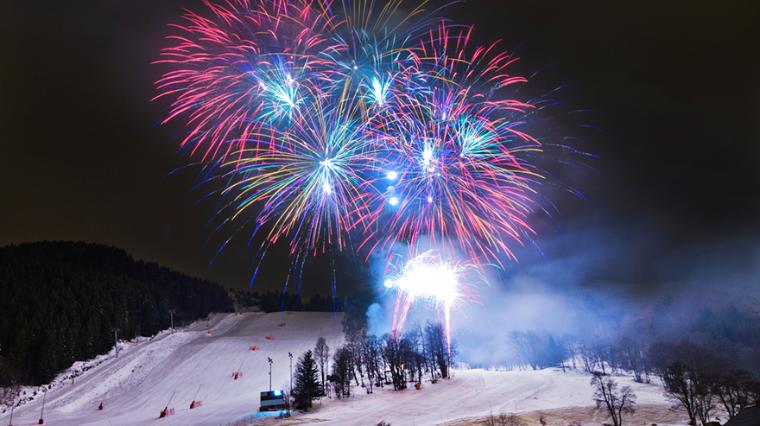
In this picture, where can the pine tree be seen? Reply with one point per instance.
(307, 381)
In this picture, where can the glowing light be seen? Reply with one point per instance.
(379, 91)
(428, 276)
(427, 155)
(312, 148)
(469, 179)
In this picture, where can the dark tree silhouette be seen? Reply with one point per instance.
(61, 300)
(307, 386)
(322, 355)
(616, 401)
(341, 373)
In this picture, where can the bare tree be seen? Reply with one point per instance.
(631, 354)
(9, 394)
(341, 373)
(436, 344)
(706, 402)
(394, 351)
(322, 354)
(505, 420)
(616, 401)
(678, 379)
(734, 390)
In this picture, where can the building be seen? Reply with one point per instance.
(273, 400)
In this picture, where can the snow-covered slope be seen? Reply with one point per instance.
(475, 394)
(175, 368)
(135, 387)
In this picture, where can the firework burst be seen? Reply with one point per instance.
(307, 183)
(240, 67)
(454, 150)
(332, 121)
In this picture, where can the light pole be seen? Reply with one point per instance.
(116, 340)
(171, 317)
(42, 412)
(269, 360)
(290, 355)
(10, 421)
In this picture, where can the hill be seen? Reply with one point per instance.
(61, 301)
(173, 369)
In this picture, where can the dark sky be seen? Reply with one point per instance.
(673, 90)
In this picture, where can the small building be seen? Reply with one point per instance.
(273, 400)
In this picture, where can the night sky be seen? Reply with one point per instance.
(671, 92)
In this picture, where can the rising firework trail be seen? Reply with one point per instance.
(428, 278)
(335, 126)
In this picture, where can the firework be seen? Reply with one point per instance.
(307, 183)
(453, 154)
(431, 278)
(242, 66)
(329, 121)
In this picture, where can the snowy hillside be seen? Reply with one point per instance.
(135, 387)
(472, 395)
(175, 368)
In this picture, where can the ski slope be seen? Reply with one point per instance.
(137, 385)
(175, 368)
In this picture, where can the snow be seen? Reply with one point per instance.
(170, 368)
(473, 394)
(138, 384)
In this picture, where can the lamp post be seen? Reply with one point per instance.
(171, 317)
(269, 360)
(42, 412)
(116, 340)
(10, 421)
(290, 355)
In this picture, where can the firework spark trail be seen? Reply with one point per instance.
(305, 181)
(430, 277)
(455, 152)
(326, 122)
(236, 68)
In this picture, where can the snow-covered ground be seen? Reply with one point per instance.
(137, 385)
(175, 368)
(476, 394)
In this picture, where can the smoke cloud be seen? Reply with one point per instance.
(591, 286)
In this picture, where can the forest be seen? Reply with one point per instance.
(62, 301)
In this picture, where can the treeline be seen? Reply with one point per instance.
(368, 361)
(60, 302)
(697, 378)
(730, 329)
(277, 301)
(702, 381)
